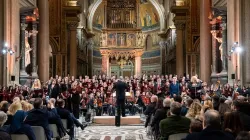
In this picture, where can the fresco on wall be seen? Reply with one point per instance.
(112, 39)
(149, 17)
(98, 19)
(131, 40)
(121, 39)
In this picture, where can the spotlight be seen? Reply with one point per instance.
(235, 43)
(238, 49)
(4, 51)
(11, 52)
(6, 45)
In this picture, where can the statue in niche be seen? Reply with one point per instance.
(219, 39)
(27, 49)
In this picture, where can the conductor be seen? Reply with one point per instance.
(120, 86)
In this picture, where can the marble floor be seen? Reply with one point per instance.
(94, 132)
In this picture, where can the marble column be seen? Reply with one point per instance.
(163, 45)
(73, 47)
(22, 40)
(244, 41)
(138, 65)
(105, 64)
(205, 41)
(90, 58)
(214, 51)
(105, 14)
(180, 25)
(224, 44)
(43, 40)
(1, 40)
(34, 49)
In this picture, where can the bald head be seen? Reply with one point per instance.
(154, 99)
(166, 102)
(212, 119)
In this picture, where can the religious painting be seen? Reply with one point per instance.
(98, 19)
(131, 40)
(149, 17)
(121, 39)
(112, 39)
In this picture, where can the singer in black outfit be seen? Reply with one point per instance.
(120, 88)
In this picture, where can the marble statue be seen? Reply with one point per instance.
(214, 34)
(27, 49)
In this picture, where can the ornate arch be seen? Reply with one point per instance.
(197, 45)
(53, 44)
(153, 2)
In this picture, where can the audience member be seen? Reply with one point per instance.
(160, 114)
(175, 123)
(195, 126)
(232, 123)
(245, 119)
(194, 110)
(40, 116)
(3, 134)
(151, 108)
(211, 128)
(243, 136)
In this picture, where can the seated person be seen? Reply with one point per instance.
(65, 114)
(3, 134)
(40, 116)
(17, 126)
(151, 108)
(211, 128)
(195, 126)
(175, 123)
(160, 114)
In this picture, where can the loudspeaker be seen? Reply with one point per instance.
(117, 121)
(12, 78)
(233, 76)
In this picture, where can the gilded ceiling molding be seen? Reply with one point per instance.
(153, 2)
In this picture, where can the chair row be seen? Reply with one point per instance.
(39, 132)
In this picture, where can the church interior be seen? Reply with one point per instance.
(142, 41)
(124, 38)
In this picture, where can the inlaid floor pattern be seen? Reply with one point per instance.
(112, 133)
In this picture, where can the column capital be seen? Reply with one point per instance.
(180, 25)
(138, 54)
(72, 25)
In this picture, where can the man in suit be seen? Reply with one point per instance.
(211, 128)
(71, 120)
(175, 123)
(40, 116)
(120, 86)
(53, 89)
(160, 114)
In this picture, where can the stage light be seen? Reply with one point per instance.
(238, 49)
(11, 52)
(6, 45)
(4, 51)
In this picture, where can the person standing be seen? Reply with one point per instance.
(174, 88)
(120, 87)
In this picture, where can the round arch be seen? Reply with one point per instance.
(53, 44)
(153, 2)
